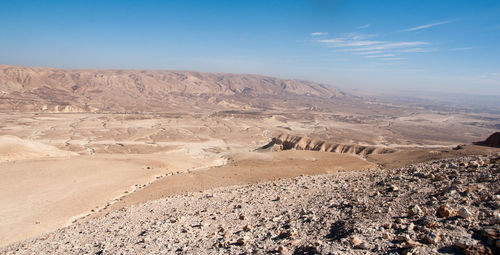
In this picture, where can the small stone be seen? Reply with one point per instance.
(445, 211)
(491, 233)
(496, 218)
(464, 213)
(411, 244)
(282, 249)
(387, 236)
(414, 210)
(428, 222)
(393, 188)
(355, 241)
(288, 234)
(432, 238)
(247, 228)
(410, 227)
(364, 246)
(403, 238)
(387, 225)
(243, 240)
(465, 243)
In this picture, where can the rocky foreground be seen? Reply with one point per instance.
(446, 206)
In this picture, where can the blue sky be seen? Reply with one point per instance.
(373, 45)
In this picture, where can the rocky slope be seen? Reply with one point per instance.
(59, 90)
(447, 206)
(492, 141)
(288, 142)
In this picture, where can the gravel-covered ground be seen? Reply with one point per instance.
(446, 206)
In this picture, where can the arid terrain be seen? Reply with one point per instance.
(88, 150)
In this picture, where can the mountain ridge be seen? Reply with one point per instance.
(115, 90)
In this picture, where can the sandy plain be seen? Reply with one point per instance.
(58, 167)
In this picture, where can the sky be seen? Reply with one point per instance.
(441, 46)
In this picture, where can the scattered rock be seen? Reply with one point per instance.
(282, 249)
(428, 222)
(364, 246)
(496, 218)
(288, 234)
(432, 238)
(342, 208)
(243, 240)
(464, 213)
(414, 210)
(393, 188)
(411, 244)
(355, 241)
(445, 211)
(465, 243)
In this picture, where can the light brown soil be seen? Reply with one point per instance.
(246, 169)
(108, 154)
(439, 207)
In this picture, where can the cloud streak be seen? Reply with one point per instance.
(365, 26)
(381, 56)
(417, 28)
(319, 33)
(357, 44)
(340, 42)
(387, 46)
(463, 48)
(368, 52)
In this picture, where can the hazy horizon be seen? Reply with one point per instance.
(395, 46)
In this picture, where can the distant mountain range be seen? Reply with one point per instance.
(94, 90)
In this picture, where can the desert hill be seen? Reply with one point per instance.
(287, 142)
(492, 141)
(60, 90)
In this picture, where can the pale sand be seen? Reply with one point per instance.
(42, 195)
(14, 148)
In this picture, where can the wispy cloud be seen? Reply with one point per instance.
(319, 33)
(387, 46)
(380, 56)
(368, 52)
(428, 26)
(365, 26)
(359, 44)
(393, 59)
(463, 48)
(334, 41)
(414, 50)
(340, 42)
